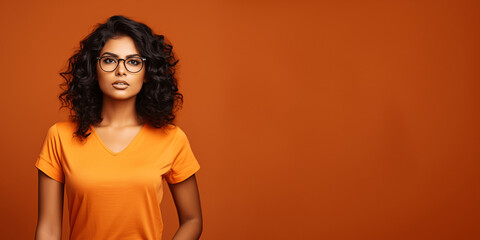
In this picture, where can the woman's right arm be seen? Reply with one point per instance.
(50, 208)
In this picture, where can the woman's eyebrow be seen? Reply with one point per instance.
(115, 55)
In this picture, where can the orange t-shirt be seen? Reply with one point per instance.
(116, 195)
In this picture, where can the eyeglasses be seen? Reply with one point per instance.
(132, 64)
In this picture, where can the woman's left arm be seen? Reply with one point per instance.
(187, 200)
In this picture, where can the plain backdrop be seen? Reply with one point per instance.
(310, 119)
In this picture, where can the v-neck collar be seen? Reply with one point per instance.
(123, 150)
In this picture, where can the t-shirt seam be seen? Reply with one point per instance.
(187, 172)
(174, 144)
(60, 154)
(58, 172)
(177, 154)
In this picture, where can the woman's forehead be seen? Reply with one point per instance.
(120, 46)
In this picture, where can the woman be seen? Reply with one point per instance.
(120, 142)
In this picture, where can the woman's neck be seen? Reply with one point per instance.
(119, 113)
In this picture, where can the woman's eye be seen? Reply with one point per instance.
(134, 62)
(109, 60)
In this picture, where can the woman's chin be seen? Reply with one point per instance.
(119, 96)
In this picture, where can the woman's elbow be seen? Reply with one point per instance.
(42, 233)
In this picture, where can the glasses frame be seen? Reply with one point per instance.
(118, 62)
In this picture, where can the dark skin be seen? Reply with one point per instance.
(119, 126)
(187, 200)
(50, 208)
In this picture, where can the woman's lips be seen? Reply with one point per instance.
(120, 86)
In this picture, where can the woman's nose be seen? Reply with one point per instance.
(121, 67)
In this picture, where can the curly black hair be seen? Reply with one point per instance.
(157, 101)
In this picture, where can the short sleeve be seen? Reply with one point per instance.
(184, 163)
(49, 159)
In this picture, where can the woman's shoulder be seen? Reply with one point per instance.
(60, 130)
(65, 126)
(167, 130)
(63, 129)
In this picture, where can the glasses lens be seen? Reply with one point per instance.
(108, 63)
(134, 64)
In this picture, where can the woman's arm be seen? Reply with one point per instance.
(50, 208)
(187, 200)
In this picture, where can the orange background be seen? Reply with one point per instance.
(311, 120)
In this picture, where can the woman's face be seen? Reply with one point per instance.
(119, 48)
